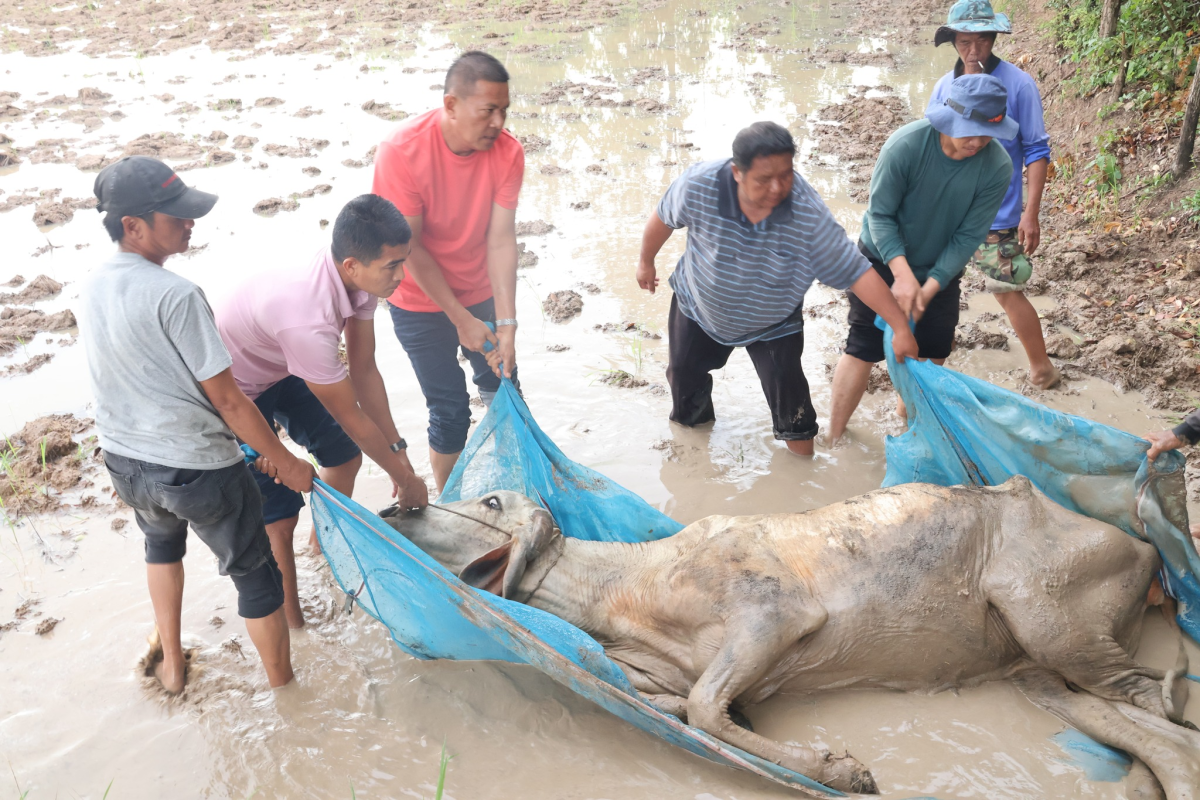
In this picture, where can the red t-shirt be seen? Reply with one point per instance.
(453, 195)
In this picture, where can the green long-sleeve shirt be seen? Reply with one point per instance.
(929, 208)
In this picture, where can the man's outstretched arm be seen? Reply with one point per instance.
(248, 424)
(654, 237)
(341, 401)
(871, 289)
(502, 272)
(424, 269)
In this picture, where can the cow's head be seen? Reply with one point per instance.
(487, 542)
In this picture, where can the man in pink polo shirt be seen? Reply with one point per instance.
(283, 331)
(455, 173)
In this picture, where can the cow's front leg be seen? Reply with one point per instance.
(747, 653)
(671, 704)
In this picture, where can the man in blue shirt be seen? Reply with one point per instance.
(758, 236)
(971, 27)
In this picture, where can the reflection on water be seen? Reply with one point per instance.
(365, 719)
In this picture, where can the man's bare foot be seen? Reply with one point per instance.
(170, 673)
(173, 677)
(1196, 530)
(1045, 377)
(824, 440)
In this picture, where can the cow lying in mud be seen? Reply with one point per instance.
(916, 587)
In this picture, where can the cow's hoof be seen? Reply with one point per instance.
(846, 774)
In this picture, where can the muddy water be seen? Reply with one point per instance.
(363, 719)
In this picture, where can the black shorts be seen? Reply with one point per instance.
(934, 332)
(222, 506)
(694, 354)
(293, 405)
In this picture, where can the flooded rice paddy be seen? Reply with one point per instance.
(363, 719)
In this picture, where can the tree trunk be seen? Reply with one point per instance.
(1108, 20)
(1191, 116)
(1119, 83)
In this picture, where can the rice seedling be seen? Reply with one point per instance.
(445, 762)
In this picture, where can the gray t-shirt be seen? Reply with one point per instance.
(151, 338)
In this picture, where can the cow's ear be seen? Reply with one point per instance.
(487, 571)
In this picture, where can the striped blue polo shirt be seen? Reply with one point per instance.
(745, 283)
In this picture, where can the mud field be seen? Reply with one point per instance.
(277, 107)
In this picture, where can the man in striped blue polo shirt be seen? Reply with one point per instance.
(758, 236)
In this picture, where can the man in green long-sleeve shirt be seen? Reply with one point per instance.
(935, 190)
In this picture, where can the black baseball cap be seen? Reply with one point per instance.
(137, 185)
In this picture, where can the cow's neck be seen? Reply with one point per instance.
(577, 588)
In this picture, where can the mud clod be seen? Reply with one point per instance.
(40, 288)
(536, 228)
(563, 305)
(44, 456)
(22, 324)
(621, 379)
(969, 335)
(525, 258)
(384, 111)
(273, 205)
(163, 145)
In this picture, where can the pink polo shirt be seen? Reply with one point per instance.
(290, 323)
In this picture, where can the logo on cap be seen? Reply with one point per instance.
(174, 177)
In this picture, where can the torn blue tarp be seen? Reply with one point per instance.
(962, 430)
(432, 614)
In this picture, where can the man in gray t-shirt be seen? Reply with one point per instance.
(166, 402)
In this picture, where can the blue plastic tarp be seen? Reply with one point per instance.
(432, 614)
(962, 430)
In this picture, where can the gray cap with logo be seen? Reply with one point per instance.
(138, 185)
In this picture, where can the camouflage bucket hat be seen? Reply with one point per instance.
(971, 16)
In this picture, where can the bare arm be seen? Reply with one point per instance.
(424, 269)
(906, 289)
(1029, 231)
(502, 272)
(248, 424)
(364, 375)
(653, 238)
(341, 402)
(871, 289)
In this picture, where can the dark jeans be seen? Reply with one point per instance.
(934, 332)
(694, 354)
(223, 507)
(293, 405)
(431, 341)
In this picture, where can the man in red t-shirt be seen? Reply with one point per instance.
(455, 174)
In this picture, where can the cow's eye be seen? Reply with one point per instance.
(493, 503)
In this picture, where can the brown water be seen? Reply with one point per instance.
(363, 718)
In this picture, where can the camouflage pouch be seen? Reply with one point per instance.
(1003, 262)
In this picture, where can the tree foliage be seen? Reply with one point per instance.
(1158, 38)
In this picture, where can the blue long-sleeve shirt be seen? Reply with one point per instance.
(1031, 144)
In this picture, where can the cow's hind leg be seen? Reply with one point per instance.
(1171, 751)
(753, 644)
(1075, 611)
